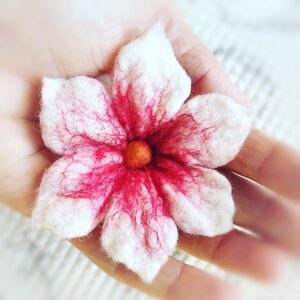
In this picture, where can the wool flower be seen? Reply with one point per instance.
(138, 156)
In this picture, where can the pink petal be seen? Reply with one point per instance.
(209, 131)
(200, 199)
(137, 230)
(75, 190)
(149, 85)
(76, 111)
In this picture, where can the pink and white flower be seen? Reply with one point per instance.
(137, 156)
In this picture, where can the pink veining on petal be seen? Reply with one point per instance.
(76, 189)
(76, 111)
(104, 166)
(139, 199)
(183, 129)
(138, 120)
(138, 230)
(149, 85)
(200, 199)
(181, 177)
(208, 131)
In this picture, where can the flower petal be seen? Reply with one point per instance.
(75, 190)
(200, 199)
(149, 85)
(137, 230)
(77, 110)
(209, 131)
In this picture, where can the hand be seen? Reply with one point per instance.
(64, 38)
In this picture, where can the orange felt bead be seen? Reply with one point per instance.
(137, 154)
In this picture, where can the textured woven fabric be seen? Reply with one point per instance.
(258, 43)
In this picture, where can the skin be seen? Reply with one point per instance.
(64, 38)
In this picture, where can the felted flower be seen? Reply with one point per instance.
(138, 156)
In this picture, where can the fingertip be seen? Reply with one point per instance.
(277, 268)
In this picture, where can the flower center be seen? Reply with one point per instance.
(137, 154)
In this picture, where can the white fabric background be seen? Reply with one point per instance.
(258, 42)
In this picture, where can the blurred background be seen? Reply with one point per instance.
(258, 43)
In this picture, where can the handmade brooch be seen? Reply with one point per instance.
(137, 156)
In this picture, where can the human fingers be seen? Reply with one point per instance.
(175, 281)
(238, 252)
(266, 214)
(19, 98)
(269, 163)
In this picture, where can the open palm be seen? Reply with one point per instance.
(68, 38)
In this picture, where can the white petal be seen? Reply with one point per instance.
(149, 85)
(137, 232)
(74, 191)
(77, 110)
(200, 199)
(209, 131)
